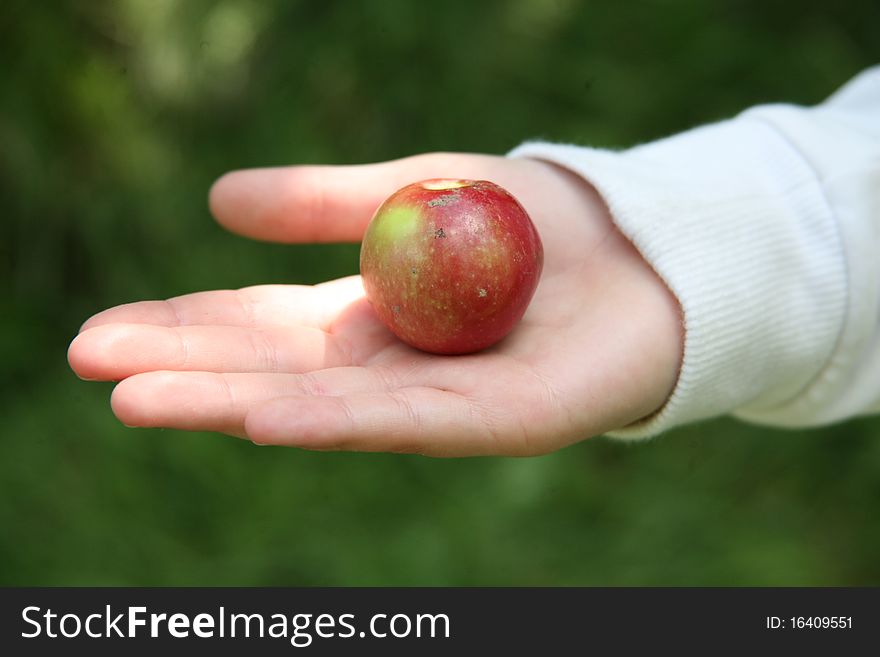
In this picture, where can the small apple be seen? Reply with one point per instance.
(451, 265)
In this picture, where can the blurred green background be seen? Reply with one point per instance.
(116, 116)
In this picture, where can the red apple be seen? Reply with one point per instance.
(451, 265)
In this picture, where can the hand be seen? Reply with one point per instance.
(312, 367)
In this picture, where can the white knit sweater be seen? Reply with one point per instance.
(767, 229)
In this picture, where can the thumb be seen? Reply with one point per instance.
(325, 203)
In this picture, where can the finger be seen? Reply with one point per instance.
(258, 306)
(115, 351)
(419, 420)
(207, 401)
(325, 203)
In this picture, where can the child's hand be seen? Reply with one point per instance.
(598, 348)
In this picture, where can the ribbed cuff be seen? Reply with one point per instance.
(734, 221)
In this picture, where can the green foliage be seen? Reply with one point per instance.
(114, 119)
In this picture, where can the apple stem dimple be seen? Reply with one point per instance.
(443, 183)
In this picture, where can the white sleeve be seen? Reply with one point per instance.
(767, 229)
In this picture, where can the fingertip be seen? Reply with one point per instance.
(153, 399)
(273, 203)
(229, 198)
(125, 404)
(75, 358)
(83, 358)
(110, 352)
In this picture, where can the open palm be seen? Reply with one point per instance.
(311, 366)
